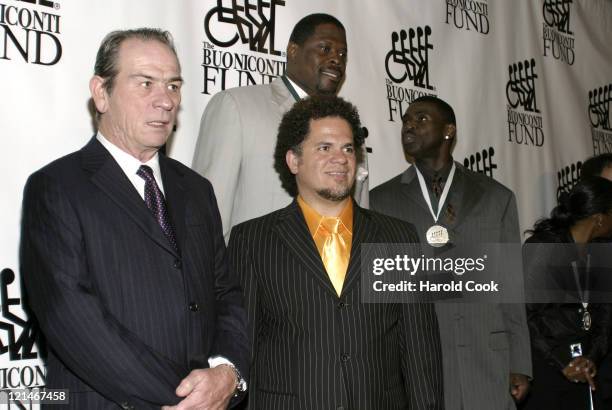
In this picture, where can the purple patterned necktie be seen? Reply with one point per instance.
(156, 203)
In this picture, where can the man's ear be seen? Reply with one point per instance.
(450, 130)
(292, 49)
(98, 93)
(292, 160)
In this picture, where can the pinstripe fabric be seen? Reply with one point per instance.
(115, 301)
(481, 344)
(315, 350)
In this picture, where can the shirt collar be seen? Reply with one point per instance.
(428, 173)
(301, 93)
(126, 162)
(313, 218)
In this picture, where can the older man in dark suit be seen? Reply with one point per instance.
(486, 351)
(123, 254)
(315, 344)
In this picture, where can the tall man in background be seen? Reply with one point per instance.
(316, 345)
(122, 251)
(239, 126)
(485, 348)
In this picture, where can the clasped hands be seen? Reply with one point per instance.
(581, 370)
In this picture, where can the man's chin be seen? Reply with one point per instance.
(334, 195)
(328, 89)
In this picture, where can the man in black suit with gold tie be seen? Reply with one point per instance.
(315, 345)
(123, 255)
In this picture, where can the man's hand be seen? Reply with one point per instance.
(581, 370)
(206, 389)
(519, 386)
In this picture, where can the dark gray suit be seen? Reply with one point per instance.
(126, 317)
(315, 350)
(481, 344)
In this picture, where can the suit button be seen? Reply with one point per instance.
(342, 305)
(194, 307)
(177, 264)
(345, 357)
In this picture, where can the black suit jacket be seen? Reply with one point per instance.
(126, 317)
(315, 350)
(556, 325)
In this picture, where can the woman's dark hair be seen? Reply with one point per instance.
(594, 166)
(588, 197)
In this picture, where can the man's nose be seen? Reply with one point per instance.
(339, 156)
(163, 99)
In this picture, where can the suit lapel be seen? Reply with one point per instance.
(109, 177)
(293, 232)
(281, 95)
(175, 197)
(411, 190)
(461, 197)
(364, 231)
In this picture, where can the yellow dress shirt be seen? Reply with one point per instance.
(333, 237)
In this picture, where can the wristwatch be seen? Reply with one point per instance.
(241, 384)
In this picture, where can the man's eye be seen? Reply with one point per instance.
(323, 148)
(325, 49)
(174, 87)
(349, 150)
(146, 83)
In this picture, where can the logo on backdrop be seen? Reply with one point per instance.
(18, 341)
(600, 100)
(481, 162)
(30, 32)
(408, 59)
(249, 28)
(524, 119)
(567, 178)
(556, 33)
(468, 15)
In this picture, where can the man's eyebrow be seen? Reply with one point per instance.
(149, 77)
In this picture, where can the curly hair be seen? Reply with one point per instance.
(295, 126)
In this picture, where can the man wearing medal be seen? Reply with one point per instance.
(239, 126)
(485, 348)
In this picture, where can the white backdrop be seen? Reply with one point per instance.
(550, 59)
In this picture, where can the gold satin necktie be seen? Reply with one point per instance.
(335, 252)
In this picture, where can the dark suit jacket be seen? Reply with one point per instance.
(125, 316)
(315, 350)
(481, 344)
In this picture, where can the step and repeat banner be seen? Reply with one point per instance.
(530, 81)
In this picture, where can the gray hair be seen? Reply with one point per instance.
(106, 59)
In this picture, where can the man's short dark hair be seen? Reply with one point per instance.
(447, 112)
(594, 166)
(106, 59)
(295, 126)
(307, 25)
